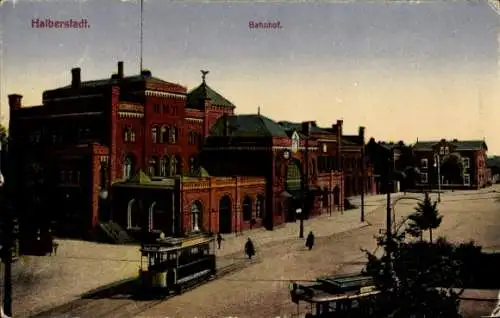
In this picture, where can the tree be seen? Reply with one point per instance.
(3, 135)
(426, 217)
(408, 278)
(452, 168)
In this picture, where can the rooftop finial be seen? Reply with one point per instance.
(203, 75)
(258, 110)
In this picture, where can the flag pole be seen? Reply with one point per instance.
(141, 36)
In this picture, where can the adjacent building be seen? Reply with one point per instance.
(452, 164)
(147, 154)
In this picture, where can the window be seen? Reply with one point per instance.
(466, 162)
(165, 167)
(192, 166)
(127, 167)
(154, 134)
(259, 207)
(153, 166)
(164, 134)
(441, 151)
(173, 135)
(126, 135)
(446, 151)
(165, 109)
(466, 179)
(424, 163)
(132, 135)
(196, 213)
(247, 208)
(156, 108)
(173, 166)
(423, 178)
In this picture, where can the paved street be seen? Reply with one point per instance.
(262, 289)
(41, 283)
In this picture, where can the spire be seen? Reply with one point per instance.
(203, 75)
(258, 110)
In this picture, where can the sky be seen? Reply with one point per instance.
(404, 70)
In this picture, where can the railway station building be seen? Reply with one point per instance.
(144, 153)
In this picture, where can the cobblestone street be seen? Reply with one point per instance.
(41, 283)
(262, 289)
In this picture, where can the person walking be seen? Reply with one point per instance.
(310, 240)
(219, 240)
(249, 248)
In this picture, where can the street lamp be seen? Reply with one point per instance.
(103, 194)
(437, 164)
(301, 226)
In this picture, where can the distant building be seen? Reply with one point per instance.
(461, 164)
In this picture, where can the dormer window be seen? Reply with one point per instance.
(295, 141)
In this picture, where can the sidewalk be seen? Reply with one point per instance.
(323, 225)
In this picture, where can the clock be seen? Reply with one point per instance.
(286, 154)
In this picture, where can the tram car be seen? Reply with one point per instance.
(336, 296)
(173, 264)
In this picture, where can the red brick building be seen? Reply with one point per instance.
(461, 164)
(127, 149)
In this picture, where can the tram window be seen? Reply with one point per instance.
(194, 251)
(355, 304)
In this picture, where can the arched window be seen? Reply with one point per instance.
(199, 139)
(153, 166)
(196, 216)
(247, 208)
(178, 167)
(154, 134)
(164, 134)
(165, 168)
(126, 134)
(173, 135)
(173, 166)
(259, 207)
(132, 135)
(192, 165)
(128, 167)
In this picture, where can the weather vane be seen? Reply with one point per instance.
(204, 74)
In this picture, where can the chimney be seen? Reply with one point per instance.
(306, 128)
(361, 134)
(120, 70)
(76, 79)
(340, 123)
(146, 73)
(225, 119)
(15, 101)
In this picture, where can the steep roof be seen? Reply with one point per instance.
(459, 144)
(196, 96)
(251, 125)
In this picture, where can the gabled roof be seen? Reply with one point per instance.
(354, 139)
(197, 96)
(459, 144)
(248, 126)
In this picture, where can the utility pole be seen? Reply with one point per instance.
(363, 183)
(389, 213)
(7, 255)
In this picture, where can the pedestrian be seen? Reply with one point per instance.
(55, 245)
(310, 240)
(249, 248)
(219, 240)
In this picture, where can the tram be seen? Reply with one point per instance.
(173, 264)
(338, 296)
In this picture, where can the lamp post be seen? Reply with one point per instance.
(363, 184)
(437, 164)
(301, 226)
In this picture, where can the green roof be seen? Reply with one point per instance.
(248, 126)
(141, 179)
(298, 127)
(459, 144)
(197, 96)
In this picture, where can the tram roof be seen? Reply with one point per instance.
(170, 244)
(315, 294)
